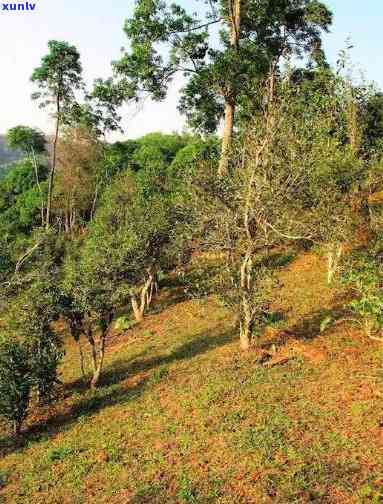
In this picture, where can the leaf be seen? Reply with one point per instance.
(326, 322)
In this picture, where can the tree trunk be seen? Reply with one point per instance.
(138, 314)
(53, 167)
(152, 290)
(227, 138)
(106, 321)
(72, 220)
(145, 298)
(90, 338)
(334, 257)
(246, 325)
(245, 335)
(235, 28)
(353, 123)
(36, 168)
(98, 369)
(94, 204)
(81, 355)
(16, 428)
(66, 221)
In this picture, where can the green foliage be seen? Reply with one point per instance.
(267, 439)
(372, 113)
(152, 153)
(15, 382)
(21, 199)
(130, 234)
(19, 179)
(58, 76)
(26, 139)
(33, 312)
(362, 273)
(6, 264)
(57, 454)
(124, 323)
(189, 157)
(165, 39)
(103, 103)
(159, 375)
(187, 492)
(291, 183)
(119, 157)
(158, 149)
(7, 156)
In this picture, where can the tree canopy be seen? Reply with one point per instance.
(221, 67)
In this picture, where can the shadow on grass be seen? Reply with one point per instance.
(111, 392)
(309, 327)
(168, 298)
(110, 376)
(317, 322)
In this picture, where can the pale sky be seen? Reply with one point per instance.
(95, 28)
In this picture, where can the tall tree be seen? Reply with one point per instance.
(58, 77)
(253, 36)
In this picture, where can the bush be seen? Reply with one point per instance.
(15, 383)
(34, 311)
(45, 354)
(363, 275)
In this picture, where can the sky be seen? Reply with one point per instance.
(95, 28)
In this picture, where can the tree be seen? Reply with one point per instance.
(15, 382)
(157, 150)
(137, 232)
(21, 200)
(292, 187)
(372, 112)
(361, 273)
(26, 139)
(58, 78)
(188, 158)
(119, 157)
(79, 158)
(32, 314)
(165, 39)
(32, 143)
(89, 305)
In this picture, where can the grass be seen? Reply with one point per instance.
(183, 417)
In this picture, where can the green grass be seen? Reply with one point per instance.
(183, 417)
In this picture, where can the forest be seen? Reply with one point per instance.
(196, 316)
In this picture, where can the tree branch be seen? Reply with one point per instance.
(195, 28)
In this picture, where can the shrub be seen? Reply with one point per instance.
(15, 382)
(33, 313)
(363, 275)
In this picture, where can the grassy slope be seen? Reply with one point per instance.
(182, 416)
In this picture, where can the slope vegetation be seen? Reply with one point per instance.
(182, 416)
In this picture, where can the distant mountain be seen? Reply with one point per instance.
(7, 156)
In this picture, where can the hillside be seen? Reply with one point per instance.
(6, 155)
(183, 417)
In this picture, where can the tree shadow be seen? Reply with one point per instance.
(168, 298)
(114, 375)
(314, 325)
(309, 327)
(111, 391)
